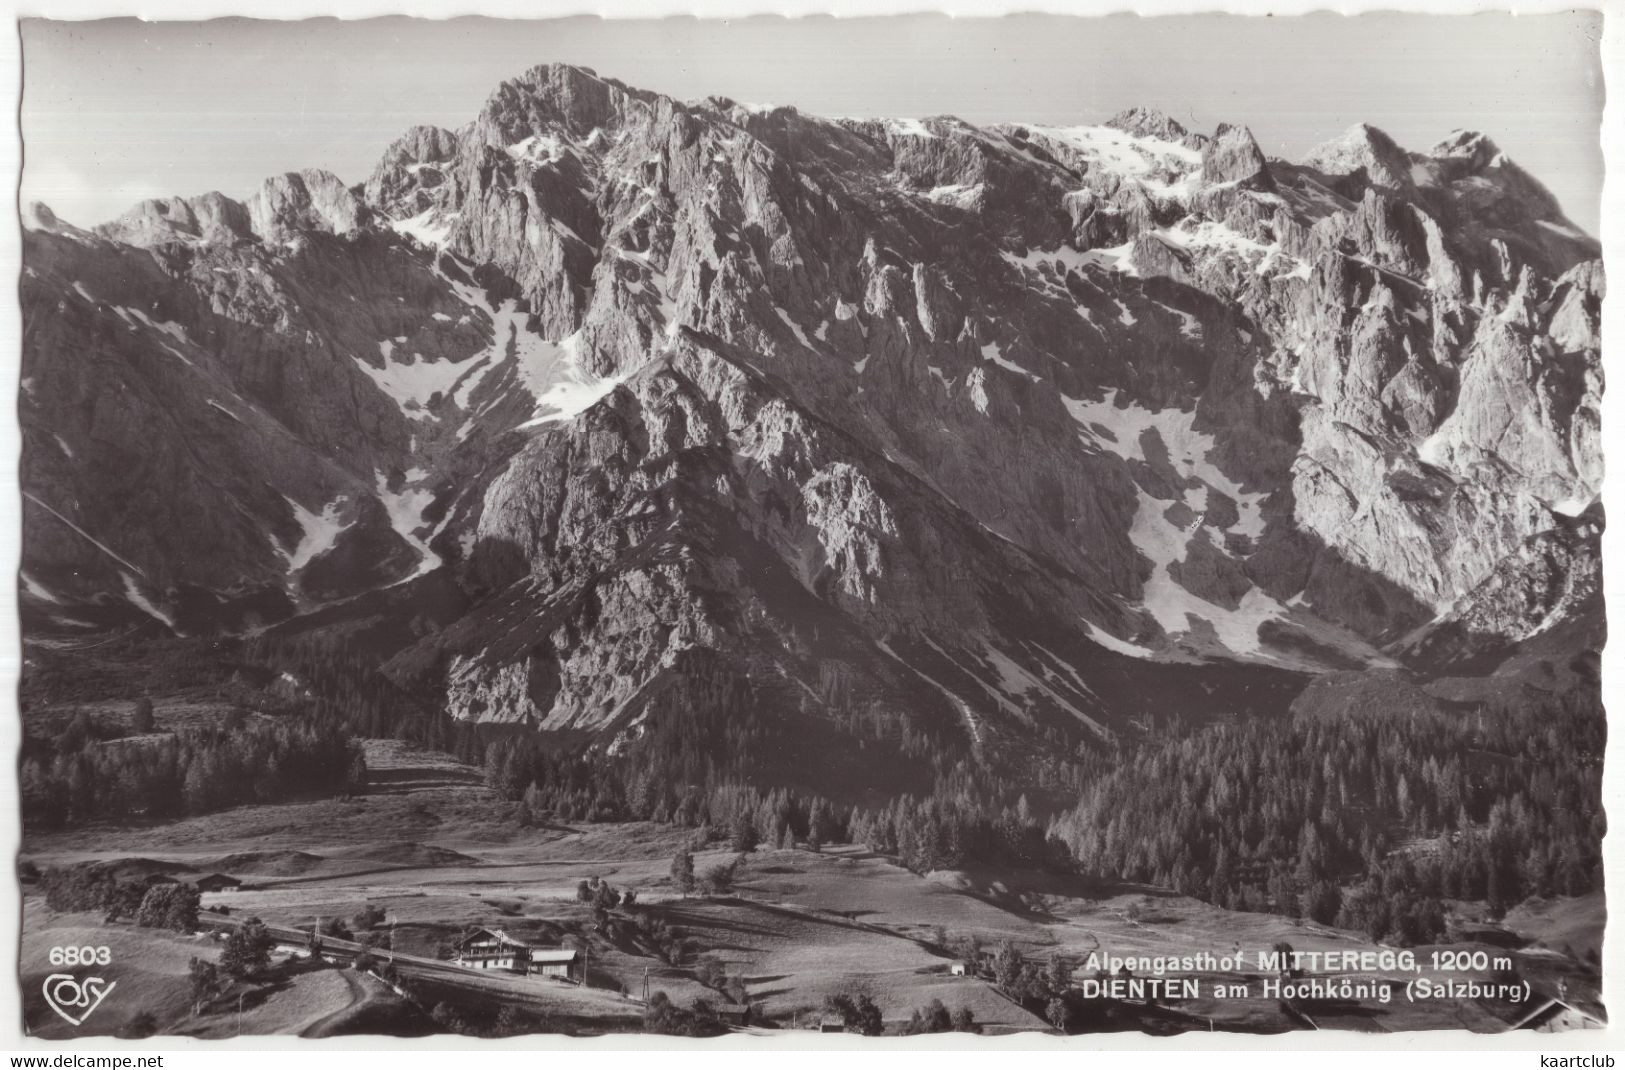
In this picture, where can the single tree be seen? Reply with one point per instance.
(604, 897)
(368, 917)
(169, 906)
(743, 836)
(355, 777)
(141, 718)
(248, 950)
(207, 983)
(709, 971)
(336, 928)
(1058, 974)
(969, 948)
(1007, 968)
(858, 1014)
(719, 879)
(123, 900)
(682, 872)
(931, 1018)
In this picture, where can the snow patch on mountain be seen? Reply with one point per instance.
(405, 509)
(1563, 229)
(1113, 643)
(1015, 680)
(1120, 430)
(553, 373)
(957, 195)
(215, 404)
(795, 328)
(413, 384)
(1000, 699)
(132, 592)
(1212, 238)
(992, 352)
(429, 228)
(536, 148)
(470, 382)
(1173, 606)
(34, 588)
(1116, 258)
(908, 128)
(1188, 450)
(135, 317)
(318, 532)
(1122, 152)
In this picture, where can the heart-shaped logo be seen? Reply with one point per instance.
(74, 999)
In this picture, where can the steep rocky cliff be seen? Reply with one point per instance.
(1018, 432)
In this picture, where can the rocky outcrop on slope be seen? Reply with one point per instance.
(303, 202)
(412, 169)
(211, 219)
(1233, 157)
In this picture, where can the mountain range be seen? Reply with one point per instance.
(607, 408)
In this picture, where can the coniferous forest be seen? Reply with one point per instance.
(1370, 821)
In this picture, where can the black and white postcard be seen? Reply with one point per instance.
(894, 526)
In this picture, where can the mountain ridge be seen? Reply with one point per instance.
(1019, 432)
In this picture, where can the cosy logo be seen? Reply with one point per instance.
(73, 999)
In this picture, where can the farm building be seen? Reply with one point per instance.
(1558, 1016)
(556, 962)
(733, 1013)
(218, 882)
(958, 969)
(494, 949)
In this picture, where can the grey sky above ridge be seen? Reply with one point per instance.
(119, 110)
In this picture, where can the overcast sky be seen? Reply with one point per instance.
(119, 110)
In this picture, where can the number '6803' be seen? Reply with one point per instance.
(81, 956)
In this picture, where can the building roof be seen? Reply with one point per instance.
(500, 935)
(553, 954)
(1551, 1009)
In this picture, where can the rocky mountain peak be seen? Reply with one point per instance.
(1233, 157)
(211, 218)
(421, 144)
(311, 200)
(1468, 145)
(415, 165)
(1152, 123)
(1363, 148)
(37, 215)
(572, 99)
(1496, 194)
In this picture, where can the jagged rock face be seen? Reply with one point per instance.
(210, 219)
(1233, 157)
(1020, 430)
(414, 165)
(1153, 124)
(303, 202)
(1364, 154)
